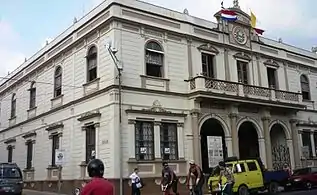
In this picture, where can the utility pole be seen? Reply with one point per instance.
(112, 51)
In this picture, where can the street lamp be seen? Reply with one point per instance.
(112, 51)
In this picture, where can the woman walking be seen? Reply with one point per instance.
(135, 182)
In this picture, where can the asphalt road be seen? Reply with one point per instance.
(313, 192)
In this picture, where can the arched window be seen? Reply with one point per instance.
(304, 83)
(92, 64)
(154, 58)
(13, 105)
(32, 96)
(58, 82)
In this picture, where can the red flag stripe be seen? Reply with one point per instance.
(228, 12)
(258, 31)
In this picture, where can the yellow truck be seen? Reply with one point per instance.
(250, 177)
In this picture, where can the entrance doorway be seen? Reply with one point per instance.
(213, 145)
(248, 141)
(280, 151)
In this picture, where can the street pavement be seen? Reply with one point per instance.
(312, 192)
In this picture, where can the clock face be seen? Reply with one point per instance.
(239, 35)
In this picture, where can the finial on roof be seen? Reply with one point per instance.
(25, 59)
(280, 40)
(186, 11)
(75, 20)
(314, 49)
(236, 4)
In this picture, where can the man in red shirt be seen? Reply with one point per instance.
(98, 185)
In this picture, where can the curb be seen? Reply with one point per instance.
(34, 192)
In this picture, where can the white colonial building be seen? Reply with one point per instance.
(185, 81)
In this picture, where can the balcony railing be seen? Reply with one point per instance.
(242, 90)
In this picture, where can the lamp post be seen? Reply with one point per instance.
(112, 51)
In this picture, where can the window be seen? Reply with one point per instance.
(242, 68)
(239, 166)
(29, 154)
(32, 96)
(92, 64)
(10, 153)
(252, 166)
(144, 140)
(154, 58)
(271, 76)
(55, 146)
(58, 82)
(168, 138)
(13, 105)
(306, 138)
(208, 65)
(303, 171)
(304, 83)
(90, 142)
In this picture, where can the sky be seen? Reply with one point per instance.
(25, 25)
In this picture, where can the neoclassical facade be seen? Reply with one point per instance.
(191, 89)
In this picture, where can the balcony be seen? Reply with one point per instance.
(242, 92)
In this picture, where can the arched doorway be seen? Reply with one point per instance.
(213, 145)
(280, 151)
(248, 141)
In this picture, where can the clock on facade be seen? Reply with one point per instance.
(239, 35)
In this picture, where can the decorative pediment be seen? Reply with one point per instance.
(9, 141)
(29, 134)
(242, 56)
(54, 126)
(271, 62)
(155, 109)
(89, 115)
(208, 47)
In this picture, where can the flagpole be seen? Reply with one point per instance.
(251, 37)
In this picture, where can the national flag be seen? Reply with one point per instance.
(228, 15)
(258, 31)
(253, 20)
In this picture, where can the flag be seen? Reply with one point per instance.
(253, 20)
(228, 15)
(258, 31)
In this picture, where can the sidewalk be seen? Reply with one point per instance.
(33, 192)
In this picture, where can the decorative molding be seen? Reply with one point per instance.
(89, 115)
(156, 109)
(59, 134)
(9, 141)
(28, 135)
(271, 62)
(208, 47)
(95, 124)
(10, 146)
(53, 126)
(131, 121)
(30, 140)
(242, 55)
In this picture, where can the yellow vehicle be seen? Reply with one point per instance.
(250, 176)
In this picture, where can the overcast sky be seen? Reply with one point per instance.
(25, 25)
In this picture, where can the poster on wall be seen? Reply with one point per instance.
(215, 151)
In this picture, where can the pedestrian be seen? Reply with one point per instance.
(98, 184)
(136, 183)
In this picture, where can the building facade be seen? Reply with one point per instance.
(188, 85)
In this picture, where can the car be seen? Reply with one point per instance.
(11, 181)
(304, 178)
(250, 176)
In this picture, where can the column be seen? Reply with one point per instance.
(229, 146)
(97, 148)
(131, 135)
(157, 140)
(262, 150)
(295, 139)
(180, 138)
(312, 141)
(196, 137)
(290, 146)
(234, 134)
(268, 147)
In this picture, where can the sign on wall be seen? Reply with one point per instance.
(215, 150)
(59, 157)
